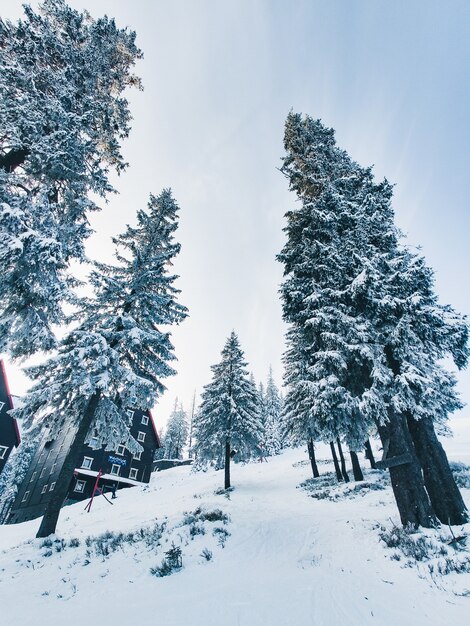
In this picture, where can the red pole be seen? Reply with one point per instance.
(95, 489)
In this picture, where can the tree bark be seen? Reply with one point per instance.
(407, 479)
(13, 159)
(370, 454)
(443, 492)
(343, 462)
(311, 455)
(339, 476)
(227, 464)
(51, 515)
(358, 475)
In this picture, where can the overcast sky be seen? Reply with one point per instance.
(220, 76)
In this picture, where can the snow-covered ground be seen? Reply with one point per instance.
(289, 559)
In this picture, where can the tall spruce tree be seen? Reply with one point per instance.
(62, 118)
(176, 436)
(228, 420)
(118, 354)
(365, 321)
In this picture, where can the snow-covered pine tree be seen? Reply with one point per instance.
(272, 411)
(177, 432)
(62, 118)
(343, 223)
(118, 354)
(15, 471)
(228, 420)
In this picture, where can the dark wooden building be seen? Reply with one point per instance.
(118, 468)
(9, 433)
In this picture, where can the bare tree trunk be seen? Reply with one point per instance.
(370, 454)
(227, 464)
(13, 159)
(443, 492)
(358, 475)
(405, 473)
(343, 462)
(51, 515)
(311, 455)
(339, 476)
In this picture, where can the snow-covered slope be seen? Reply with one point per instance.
(288, 558)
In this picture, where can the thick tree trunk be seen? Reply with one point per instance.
(311, 455)
(13, 159)
(370, 454)
(407, 480)
(339, 476)
(358, 475)
(227, 464)
(443, 492)
(51, 515)
(343, 462)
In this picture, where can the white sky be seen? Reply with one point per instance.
(392, 78)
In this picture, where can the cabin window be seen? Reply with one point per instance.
(54, 465)
(141, 436)
(137, 456)
(145, 420)
(51, 488)
(43, 471)
(133, 473)
(2, 404)
(80, 486)
(121, 449)
(3, 451)
(93, 443)
(130, 414)
(33, 477)
(44, 489)
(87, 462)
(115, 469)
(25, 497)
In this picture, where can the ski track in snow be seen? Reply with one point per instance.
(290, 559)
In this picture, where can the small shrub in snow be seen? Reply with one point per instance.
(172, 562)
(411, 543)
(222, 534)
(74, 542)
(207, 554)
(201, 515)
(196, 529)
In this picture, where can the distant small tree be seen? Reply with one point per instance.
(177, 431)
(15, 471)
(272, 411)
(228, 421)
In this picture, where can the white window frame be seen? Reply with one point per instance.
(138, 455)
(93, 443)
(140, 436)
(134, 471)
(54, 465)
(26, 496)
(33, 477)
(80, 486)
(2, 404)
(113, 472)
(133, 399)
(51, 488)
(44, 489)
(87, 458)
(43, 472)
(130, 413)
(144, 420)
(121, 447)
(3, 451)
